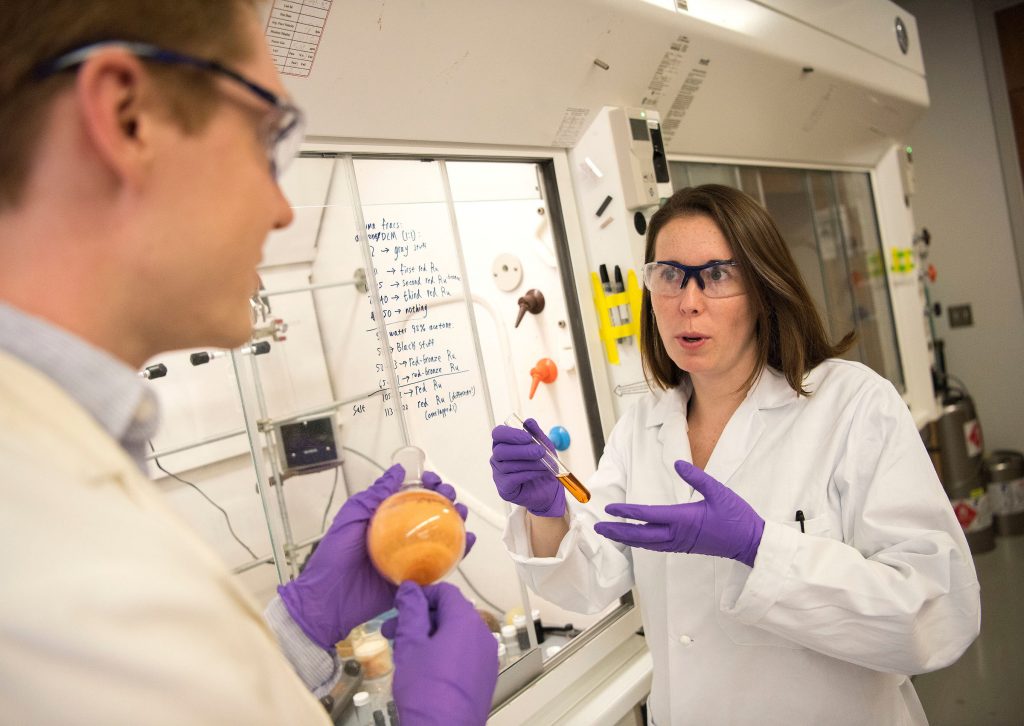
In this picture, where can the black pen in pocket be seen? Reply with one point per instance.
(800, 518)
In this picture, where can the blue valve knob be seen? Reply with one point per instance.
(559, 437)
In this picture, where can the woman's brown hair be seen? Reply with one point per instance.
(790, 335)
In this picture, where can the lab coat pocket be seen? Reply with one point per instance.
(730, 577)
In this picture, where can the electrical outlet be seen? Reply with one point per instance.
(960, 316)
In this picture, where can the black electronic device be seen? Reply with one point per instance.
(306, 446)
(659, 158)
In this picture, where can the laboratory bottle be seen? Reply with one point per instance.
(502, 656)
(508, 637)
(522, 636)
(415, 534)
(364, 716)
(374, 655)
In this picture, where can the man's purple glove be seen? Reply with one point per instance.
(446, 660)
(339, 587)
(519, 472)
(723, 524)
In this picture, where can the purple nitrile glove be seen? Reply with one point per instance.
(339, 587)
(723, 524)
(520, 474)
(446, 659)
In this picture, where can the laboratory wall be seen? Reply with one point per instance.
(961, 199)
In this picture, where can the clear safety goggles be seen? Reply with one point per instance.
(718, 278)
(281, 130)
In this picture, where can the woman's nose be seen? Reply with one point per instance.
(691, 298)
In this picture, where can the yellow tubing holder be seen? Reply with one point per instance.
(604, 303)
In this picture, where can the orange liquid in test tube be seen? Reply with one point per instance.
(573, 485)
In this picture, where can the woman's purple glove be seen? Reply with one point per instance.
(723, 524)
(446, 660)
(519, 472)
(339, 587)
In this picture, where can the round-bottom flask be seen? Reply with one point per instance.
(415, 534)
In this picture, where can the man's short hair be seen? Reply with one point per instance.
(35, 31)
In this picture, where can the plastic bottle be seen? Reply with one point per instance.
(508, 637)
(415, 534)
(374, 655)
(502, 656)
(364, 717)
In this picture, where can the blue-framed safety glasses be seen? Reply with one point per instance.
(284, 125)
(717, 278)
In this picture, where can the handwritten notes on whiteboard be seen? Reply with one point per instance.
(423, 306)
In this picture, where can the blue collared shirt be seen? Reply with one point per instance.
(107, 388)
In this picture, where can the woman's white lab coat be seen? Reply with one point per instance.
(828, 624)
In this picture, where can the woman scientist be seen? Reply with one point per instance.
(793, 551)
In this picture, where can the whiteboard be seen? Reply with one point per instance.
(436, 363)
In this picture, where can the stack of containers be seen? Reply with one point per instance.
(956, 444)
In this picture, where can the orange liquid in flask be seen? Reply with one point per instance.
(416, 534)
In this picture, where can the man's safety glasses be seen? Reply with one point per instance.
(281, 131)
(718, 278)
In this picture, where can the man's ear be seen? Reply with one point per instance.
(115, 96)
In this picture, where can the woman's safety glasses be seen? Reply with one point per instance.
(718, 278)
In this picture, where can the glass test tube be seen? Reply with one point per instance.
(573, 485)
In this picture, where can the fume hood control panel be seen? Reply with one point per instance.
(640, 152)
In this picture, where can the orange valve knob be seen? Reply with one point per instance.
(545, 371)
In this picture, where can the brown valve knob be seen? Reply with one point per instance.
(531, 302)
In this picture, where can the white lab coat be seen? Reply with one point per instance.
(111, 610)
(826, 626)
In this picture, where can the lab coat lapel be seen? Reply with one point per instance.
(747, 424)
(737, 440)
(673, 440)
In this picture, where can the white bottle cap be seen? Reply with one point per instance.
(518, 620)
(508, 631)
(361, 699)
